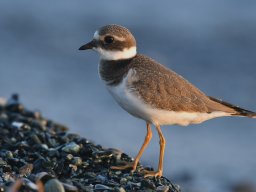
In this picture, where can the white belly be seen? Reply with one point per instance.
(136, 107)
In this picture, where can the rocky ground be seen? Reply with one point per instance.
(31, 144)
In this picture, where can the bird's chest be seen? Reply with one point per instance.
(118, 79)
(127, 98)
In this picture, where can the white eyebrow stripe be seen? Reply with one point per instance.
(119, 38)
(97, 36)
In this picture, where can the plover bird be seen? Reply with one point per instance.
(150, 91)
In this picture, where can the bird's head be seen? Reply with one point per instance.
(112, 42)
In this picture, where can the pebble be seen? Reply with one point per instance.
(77, 161)
(54, 185)
(26, 169)
(148, 184)
(102, 187)
(69, 188)
(101, 178)
(123, 181)
(69, 157)
(162, 188)
(121, 189)
(29, 184)
(71, 148)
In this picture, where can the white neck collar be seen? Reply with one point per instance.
(117, 55)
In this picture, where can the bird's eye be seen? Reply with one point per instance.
(109, 39)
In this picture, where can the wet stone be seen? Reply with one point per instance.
(162, 188)
(102, 187)
(148, 184)
(9, 154)
(69, 157)
(121, 189)
(123, 181)
(71, 148)
(29, 184)
(2, 162)
(77, 161)
(69, 188)
(35, 139)
(54, 185)
(101, 178)
(26, 170)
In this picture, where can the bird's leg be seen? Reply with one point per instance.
(143, 147)
(134, 164)
(159, 172)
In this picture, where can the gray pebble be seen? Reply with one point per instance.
(121, 189)
(69, 188)
(77, 161)
(26, 169)
(54, 185)
(69, 156)
(123, 181)
(102, 187)
(71, 148)
(101, 178)
(9, 154)
(162, 188)
(134, 184)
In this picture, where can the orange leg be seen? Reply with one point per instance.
(134, 164)
(159, 172)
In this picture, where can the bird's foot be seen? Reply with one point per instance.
(127, 165)
(158, 173)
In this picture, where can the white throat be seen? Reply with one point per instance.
(116, 55)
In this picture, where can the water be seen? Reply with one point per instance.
(211, 43)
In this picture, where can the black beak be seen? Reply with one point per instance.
(89, 45)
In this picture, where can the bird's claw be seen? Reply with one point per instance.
(152, 173)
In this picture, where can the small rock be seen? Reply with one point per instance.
(134, 184)
(101, 178)
(69, 157)
(71, 148)
(9, 154)
(121, 189)
(53, 152)
(54, 185)
(2, 162)
(123, 181)
(44, 146)
(74, 167)
(35, 139)
(162, 188)
(7, 177)
(20, 125)
(26, 169)
(148, 184)
(29, 184)
(69, 188)
(77, 161)
(102, 187)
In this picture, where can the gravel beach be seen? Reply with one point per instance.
(31, 145)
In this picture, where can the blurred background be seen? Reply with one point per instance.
(210, 43)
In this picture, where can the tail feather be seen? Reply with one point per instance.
(239, 111)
